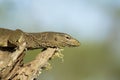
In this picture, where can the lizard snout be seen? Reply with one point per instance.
(73, 43)
(76, 43)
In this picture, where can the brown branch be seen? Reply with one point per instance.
(31, 70)
(10, 60)
(12, 67)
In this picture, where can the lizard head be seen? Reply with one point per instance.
(57, 39)
(63, 40)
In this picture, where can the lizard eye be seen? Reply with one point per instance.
(68, 37)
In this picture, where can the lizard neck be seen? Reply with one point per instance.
(40, 40)
(31, 41)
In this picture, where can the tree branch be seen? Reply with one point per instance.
(12, 67)
(31, 70)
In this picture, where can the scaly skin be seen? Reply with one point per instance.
(13, 38)
(9, 38)
(4, 35)
(55, 39)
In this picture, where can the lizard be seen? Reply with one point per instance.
(41, 40)
(12, 38)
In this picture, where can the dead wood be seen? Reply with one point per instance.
(12, 67)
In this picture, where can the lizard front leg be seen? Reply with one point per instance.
(16, 38)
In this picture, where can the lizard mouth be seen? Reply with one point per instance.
(74, 44)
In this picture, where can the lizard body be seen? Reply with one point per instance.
(4, 35)
(12, 38)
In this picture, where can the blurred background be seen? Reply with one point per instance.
(95, 23)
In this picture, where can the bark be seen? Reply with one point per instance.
(13, 68)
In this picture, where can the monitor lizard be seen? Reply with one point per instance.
(13, 38)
